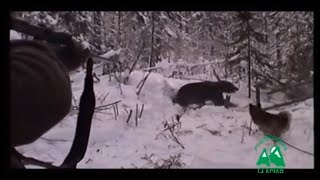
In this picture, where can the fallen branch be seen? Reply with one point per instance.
(103, 99)
(137, 110)
(99, 111)
(117, 109)
(287, 103)
(130, 113)
(54, 140)
(290, 86)
(118, 80)
(215, 73)
(298, 149)
(195, 79)
(267, 77)
(213, 132)
(104, 106)
(138, 56)
(202, 125)
(243, 132)
(141, 111)
(114, 112)
(175, 138)
(125, 109)
(168, 127)
(96, 77)
(250, 127)
(145, 79)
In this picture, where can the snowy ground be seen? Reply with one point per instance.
(115, 144)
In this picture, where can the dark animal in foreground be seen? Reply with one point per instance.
(40, 87)
(200, 92)
(272, 124)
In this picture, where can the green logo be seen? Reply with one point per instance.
(271, 161)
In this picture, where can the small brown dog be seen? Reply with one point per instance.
(273, 124)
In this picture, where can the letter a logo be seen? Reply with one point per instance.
(264, 158)
(276, 156)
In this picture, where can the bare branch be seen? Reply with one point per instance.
(141, 111)
(104, 106)
(137, 110)
(175, 138)
(114, 112)
(287, 103)
(290, 86)
(145, 79)
(242, 138)
(130, 113)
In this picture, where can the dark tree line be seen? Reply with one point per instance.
(273, 48)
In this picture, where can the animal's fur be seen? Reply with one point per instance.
(40, 89)
(222, 86)
(200, 92)
(273, 124)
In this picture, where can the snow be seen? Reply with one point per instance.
(115, 144)
(85, 45)
(14, 35)
(111, 53)
(170, 32)
(51, 20)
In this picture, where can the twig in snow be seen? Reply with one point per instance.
(215, 73)
(246, 127)
(202, 125)
(99, 111)
(114, 112)
(88, 161)
(129, 116)
(175, 138)
(250, 127)
(104, 98)
(298, 149)
(138, 56)
(118, 80)
(213, 132)
(243, 132)
(137, 110)
(141, 111)
(125, 109)
(167, 127)
(117, 108)
(54, 140)
(104, 106)
(144, 80)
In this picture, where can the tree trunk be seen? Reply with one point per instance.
(226, 65)
(119, 24)
(152, 40)
(249, 61)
